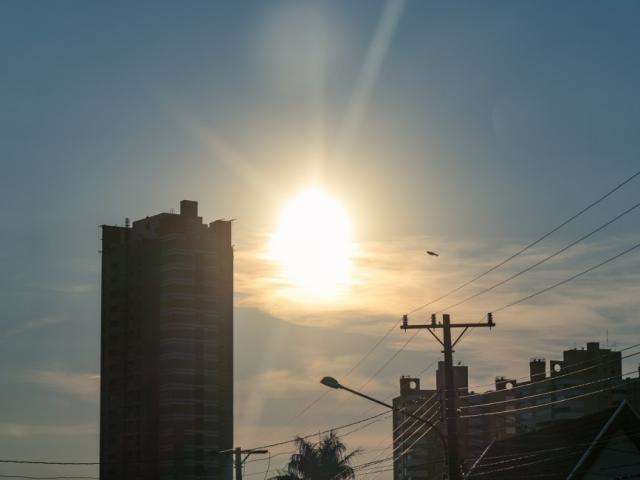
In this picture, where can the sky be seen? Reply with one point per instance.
(468, 128)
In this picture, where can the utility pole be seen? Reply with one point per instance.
(451, 412)
(238, 460)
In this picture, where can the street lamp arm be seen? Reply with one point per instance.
(371, 399)
(391, 407)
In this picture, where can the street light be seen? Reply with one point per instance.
(333, 383)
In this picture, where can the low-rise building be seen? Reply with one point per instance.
(605, 444)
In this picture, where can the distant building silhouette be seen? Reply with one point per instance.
(166, 400)
(418, 451)
(415, 457)
(581, 371)
(604, 444)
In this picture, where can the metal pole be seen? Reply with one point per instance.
(450, 401)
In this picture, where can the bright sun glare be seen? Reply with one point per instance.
(313, 244)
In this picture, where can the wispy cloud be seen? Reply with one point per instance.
(75, 289)
(82, 385)
(390, 278)
(22, 430)
(31, 325)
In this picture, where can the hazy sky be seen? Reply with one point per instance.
(463, 127)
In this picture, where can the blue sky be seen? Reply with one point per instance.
(471, 126)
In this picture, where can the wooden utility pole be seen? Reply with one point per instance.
(451, 412)
(238, 460)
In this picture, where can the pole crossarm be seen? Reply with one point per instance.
(453, 325)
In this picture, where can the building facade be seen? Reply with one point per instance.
(418, 450)
(166, 400)
(592, 374)
(416, 455)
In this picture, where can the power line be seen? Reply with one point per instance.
(546, 379)
(415, 412)
(540, 262)
(530, 245)
(388, 361)
(403, 347)
(366, 425)
(492, 392)
(533, 407)
(384, 416)
(412, 433)
(534, 453)
(340, 427)
(543, 394)
(406, 439)
(351, 370)
(406, 450)
(460, 287)
(578, 447)
(428, 367)
(556, 377)
(567, 280)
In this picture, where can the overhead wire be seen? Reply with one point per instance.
(530, 245)
(558, 284)
(543, 394)
(571, 278)
(463, 285)
(533, 407)
(590, 362)
(544, 260)
(382, 417)
(527, 247)
(406, 450)
(413, 336)
(592, 366)
(393, 447)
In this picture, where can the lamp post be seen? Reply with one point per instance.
(333, 383)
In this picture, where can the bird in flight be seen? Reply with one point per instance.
(433, 254)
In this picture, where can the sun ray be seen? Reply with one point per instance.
(370, 71)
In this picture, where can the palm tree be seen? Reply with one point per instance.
(326, 460)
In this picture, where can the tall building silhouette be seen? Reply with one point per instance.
(166, 399)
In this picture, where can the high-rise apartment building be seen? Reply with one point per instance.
(166, 400)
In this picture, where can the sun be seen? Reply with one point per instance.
(313, 245)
